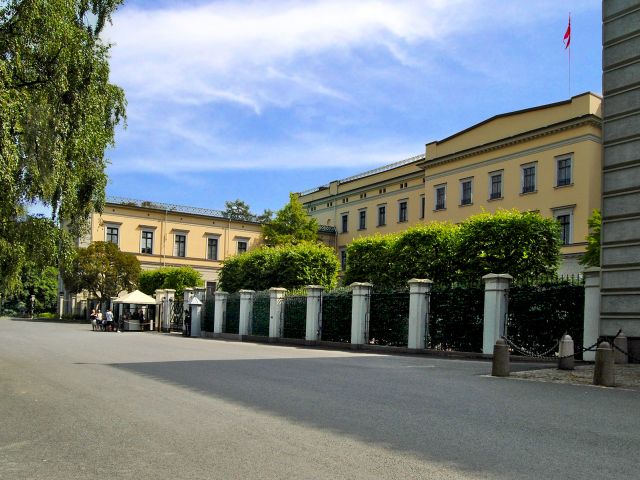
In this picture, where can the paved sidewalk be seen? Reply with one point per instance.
(626, 376)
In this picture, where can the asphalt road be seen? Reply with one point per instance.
(76, 404)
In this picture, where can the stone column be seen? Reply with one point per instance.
(419, 300)
(187, 295)
(276, 311)
(157, 320)
(314, 312)
(591, 311)
(496, 305)
(360, 296)
(195, 306)
(167, 309)
(60, 304)
(200, 293)
(220, 311)
(246, 311)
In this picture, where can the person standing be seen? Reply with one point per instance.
(100, 320)
(109, 318)
(93, 318)
(187, 323)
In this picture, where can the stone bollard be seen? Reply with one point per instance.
(621, 342)
(501, 366)
(566, 362)
(603, 369)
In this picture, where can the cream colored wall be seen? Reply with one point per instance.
(583, 194)
(132, 221)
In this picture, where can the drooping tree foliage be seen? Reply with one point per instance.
(103, 270)
(287, 266)
(58, 113)
(177, 278)
(291, 225)
(524, 245)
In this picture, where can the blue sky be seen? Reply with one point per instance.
(253, 99)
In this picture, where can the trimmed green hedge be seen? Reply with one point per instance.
(525, 245)
(177, 278)
(290, 266)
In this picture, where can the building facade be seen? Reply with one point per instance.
(545, 159)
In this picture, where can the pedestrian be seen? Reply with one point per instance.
(93, 317)
(109, 318)
(187, 323)
(100, 320)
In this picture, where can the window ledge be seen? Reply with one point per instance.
(439, 209)
(563, 186)
(466, 204)
(528, 193)
(495, 199)
(403, 221)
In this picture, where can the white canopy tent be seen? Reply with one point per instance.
(137, 299)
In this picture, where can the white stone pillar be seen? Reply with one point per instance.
(276, 311)
(360, 296)
(60, 304)
(591, 311)
(167, 310)
(496, 304)
(195, 306)
(314, 312)
(200, 292)
(157, 320)
(246, 311)
(419, 300)
(220, 311)
(186, 296)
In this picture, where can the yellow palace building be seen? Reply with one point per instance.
(545, 159)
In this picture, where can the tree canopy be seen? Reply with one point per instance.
(177, 278)
(591, 257)
(103, 270)
(58, 114)
(291, 225)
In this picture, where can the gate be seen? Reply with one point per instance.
(295, 316)
(260, 320)
(176, 321)
(232, 314)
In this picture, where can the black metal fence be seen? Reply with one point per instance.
(456, 320)
(540, 314)
(336, 317)
(389, 318)
(295, 316)
(209, 314)
(176, 320)
(232, 314)
(260, 317)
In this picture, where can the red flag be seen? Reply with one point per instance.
(567, 35)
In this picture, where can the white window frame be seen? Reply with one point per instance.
(360, 225)
(153, 239)
(175, 244)
(435, 196)
(558, 159)
(495, 174)
(462, 182)
(406, 202)
(535, 177)
(242, 240)
(206, 246)
(385, 215)
(561, 211)
(117, 226)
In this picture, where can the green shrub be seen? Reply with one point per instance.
(177, 278)
(288, 266)
(370, 259)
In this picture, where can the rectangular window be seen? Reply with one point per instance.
(422, 206)
(382, 215)
(495, 185)
(345, 223)
(402, 211)
(112, 234)
(465, 192)
(362, 220)
(211, 289)
(528, 178)
(564, 171)
(242, 246)
(343, 259)
(180, 245)
(146, 243)
(212, 248)
(441, 197)
(564, 217)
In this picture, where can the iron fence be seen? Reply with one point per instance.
(260, 317)
(336, 317)
(232, 314)
(456, 318)
(176, 322)
(295, 316)
(389, 318)
(209, 314)
(540, 314)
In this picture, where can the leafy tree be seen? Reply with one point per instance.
(103, 270)
(238, 210)
(37, 281)
(58, 113)
(287, 266)
(265, 216)
(591, 257)
(291, 225)
(177, 278)
(370, 259)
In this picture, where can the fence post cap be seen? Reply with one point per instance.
(604, 346)
(361, 284)
(277, 289)
(566, 338)
(246, 291)
(220, 293)
(419, 280)
(621, 334)
(314, 287)
(501, 342)
(496, 276)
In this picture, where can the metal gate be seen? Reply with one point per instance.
(176, 320)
